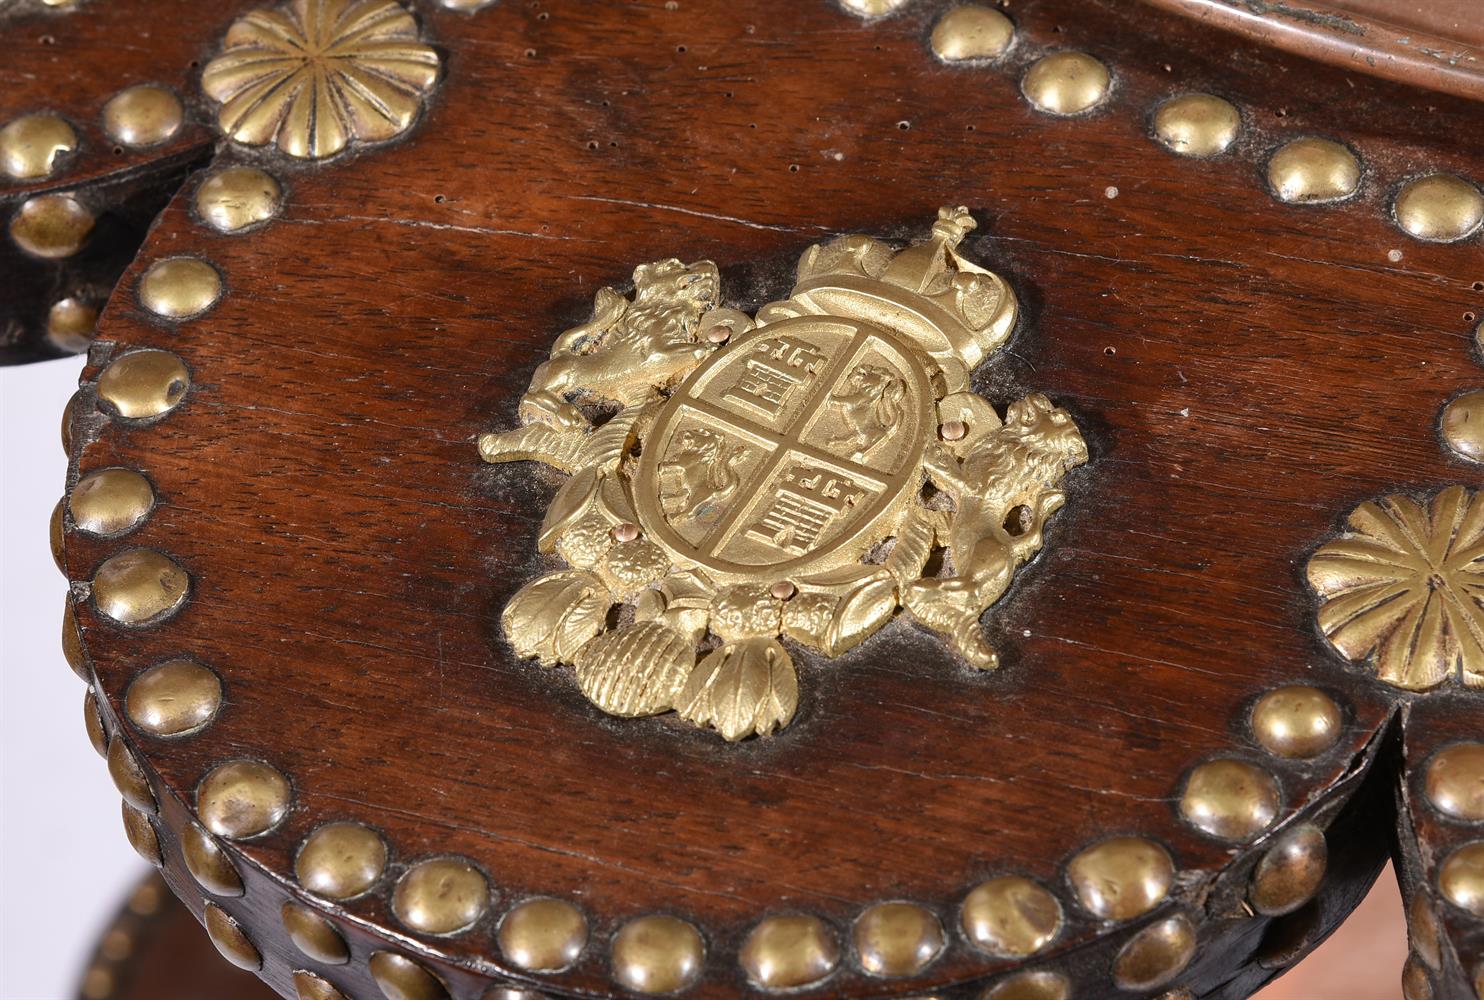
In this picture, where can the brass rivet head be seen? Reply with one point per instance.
(1422, 928)
(1461, 878)
(954, 430)
(441, 896)
(308, 986)
(783, 590)
(1066, 83)
(234, 198)
(1462, 425)
(341, 860)
(314, 935)
(208, 863)
(92, 720)
(543, 935)
(897, 939)
(139, 587)
(242, 799)
(1121, 878)
(627, 531)
(180, 287)
(1290, 873)
(1439, 208)
(141, 834)
(787, 952)
(1296, 721)
(59, 537)
(110, 502)
(1230, 799)
(1454, 782)
(72, 642)
(143, 115)
(657, 954)
(1197, 125)
(70, 324)
(872, 8)
(972, 32)
(1155, 955)
(1011, 917)
(173, 698)
(51, 226)
(1038, 985)
(466, 6)
(1309, 171)
(230, 940)
(32, 145)
(128, 777)
(143, 384)
(400, 978)
(69, 414)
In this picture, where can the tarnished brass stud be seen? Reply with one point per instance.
(1066, 83)
(1296, 721)
(954, 430)
(143, 115)
(128, 777)
(180, 287)
(1290, 873)
(657, 954)
(143, 384)
(92, 719)
(58, 536)
(70, 324)
(972, 31)
(1197, 124)
(1415, 982)
(110, 502)
(1155, 955)
(1309, 171)
(139, 586)
(242, 799)
(400, 978)
(1462, 425)
(1011, 917)
(311, 987)
(314, 935)
(1422, 927)
(69, 414)
(872, 8)
(173, 698)
(72, 642)
(441, 896)
(789, 951)
(141, 834)
(31, 145)
(1439, 208)
(543, 935)
(208, 863)
(234, 198)
(1039, 985)
(230, 940)
(1121, 878)
(1454, 782)
(897, 939)
(1461, 878)
(341, 860)
(52, 226)
(1230, 799)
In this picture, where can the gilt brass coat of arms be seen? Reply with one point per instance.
(741, 484)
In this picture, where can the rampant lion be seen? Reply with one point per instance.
(700, 480)
(870, 405)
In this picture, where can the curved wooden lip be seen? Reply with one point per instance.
(1346, 39)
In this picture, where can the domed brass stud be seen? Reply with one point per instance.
(110, 502)
(69, 414)
(128, 777)
(141, 834)
(1309, 171)
(1230, 799)
(92, 719)
(1039, 985)
(173, 698)
(72, 642)
(1461, 878)
(1121, 878)
(1415, 982)
(1439, 208)
(1155, 955)
(180, 287)
(400, 978)
(1296, 721)
(543, 935)
(139, 586)
(234, 198)
(1454, 782)
(1290, 873)
(1011, 917)
(142, 115)
(58, 537)
(230, 940)
(51, 226)
(31, 145)
(208, 864)
(308, 986)
(70, 324)
(341, 860)
(1422, 927)
(441, 896)
(1197, 125)
(872, 8)
(143, 384)
(972, 32)
(897, 939)
(1462, 425)
(657, 954)
(242, 799)
(1066, 83)
(314, 935)
(789, 951)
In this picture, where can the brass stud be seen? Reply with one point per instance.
(242, 799)
(230, 940)
(1039, 985)
(57, 536)
(1290, 873)
(441, 896)
(234, 198)
(783, 590)
(1011, 917)
(872, 8)
(128, 777)
(69, 414)
(72, 642)
(657, 954)
(1155, 955)
(180, 287)
(1454, 782)
(1439, 208)
(1415, 982)
(341, 860)
(972, 31)
(543, 935)
(314, 935)
(51, 226)
(1066, 83)
(308, 986)
(1121, 878)
(897, 939)
(208, 864)
(1309, 171)
(1197, 125)
(143, 384)
(1462, 425)
(1422, 928)
(31, 145)
(139, 586)
(1230, 799)
(1296, 721)
(173, 698)
(141, 834)
(789, 951)
(110, 502)
(466, 6)
(954, 430)
(92, 719)
(70, 324)
(626, 531)
(1461, 878)
(143, 115)
(400, 978)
